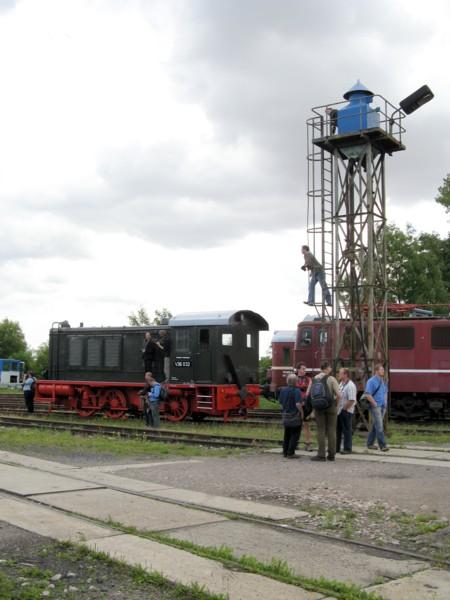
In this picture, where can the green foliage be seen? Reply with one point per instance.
(443, 196)
(19, 439)
(161, 316)
(417, 266)
(140, 317)
(12, 340)
(265, 363)
(40, 359)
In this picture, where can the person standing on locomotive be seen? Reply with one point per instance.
(163, 356)
(149, 353)
(376, 395)
(317, 274)
(164, 342)
(346, 408)
(304, 385)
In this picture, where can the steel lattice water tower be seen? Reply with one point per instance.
(347, 145)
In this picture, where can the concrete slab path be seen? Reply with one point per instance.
(128, 509)
(51, 523)
(190, 569)
(432, 584)
(25, 481)
(102, 476)
(243, 507)
(306, 555)
(402, 457)
(113, 481)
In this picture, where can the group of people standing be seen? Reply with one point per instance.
(334, 421)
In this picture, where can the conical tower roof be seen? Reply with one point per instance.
(359, 88)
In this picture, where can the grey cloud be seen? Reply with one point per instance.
(256, 68)
(164, 196)
(36, 235)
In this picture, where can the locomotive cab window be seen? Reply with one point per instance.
(286, 357)
(249, 340)
(183, 340)
(440, 338)
(204, 339)
(227, 339)
(306, 336)
(401, 338)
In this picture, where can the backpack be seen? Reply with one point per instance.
(321, 398)
(163, 394)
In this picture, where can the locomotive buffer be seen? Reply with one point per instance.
(347, 145)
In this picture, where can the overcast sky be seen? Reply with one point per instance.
(153, 153)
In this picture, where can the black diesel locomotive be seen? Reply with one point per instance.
(213, 367)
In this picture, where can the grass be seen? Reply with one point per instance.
(11, 391)
(266, 404)
(338, 519)
(22, 439)
(415, 525)
(277, 569)
(210, 428)
(141, 576)
(11, 587)
(404, 434)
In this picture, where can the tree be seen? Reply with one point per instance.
(160, 317)
(40, 359)
(12, 340)
(265, 363)
(443, 196)
(139, 318)
(417, 267)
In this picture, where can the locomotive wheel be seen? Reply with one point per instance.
(114, 403)
(176, 409)
(87, 408)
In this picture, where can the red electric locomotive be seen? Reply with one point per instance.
(283, 357)
(213, 367)
(419, 361)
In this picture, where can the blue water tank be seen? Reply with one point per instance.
(358, 113)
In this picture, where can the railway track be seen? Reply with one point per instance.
(13, 404)
(160, 435)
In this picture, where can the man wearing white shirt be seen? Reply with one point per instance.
(346, 408)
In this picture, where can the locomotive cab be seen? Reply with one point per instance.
(216, 348)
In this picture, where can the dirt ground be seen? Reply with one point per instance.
(33, 566)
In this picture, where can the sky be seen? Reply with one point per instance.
(154, 153)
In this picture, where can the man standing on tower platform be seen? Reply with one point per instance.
(317, 274)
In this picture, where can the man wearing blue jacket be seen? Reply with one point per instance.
(151, 395)
(376, 394)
